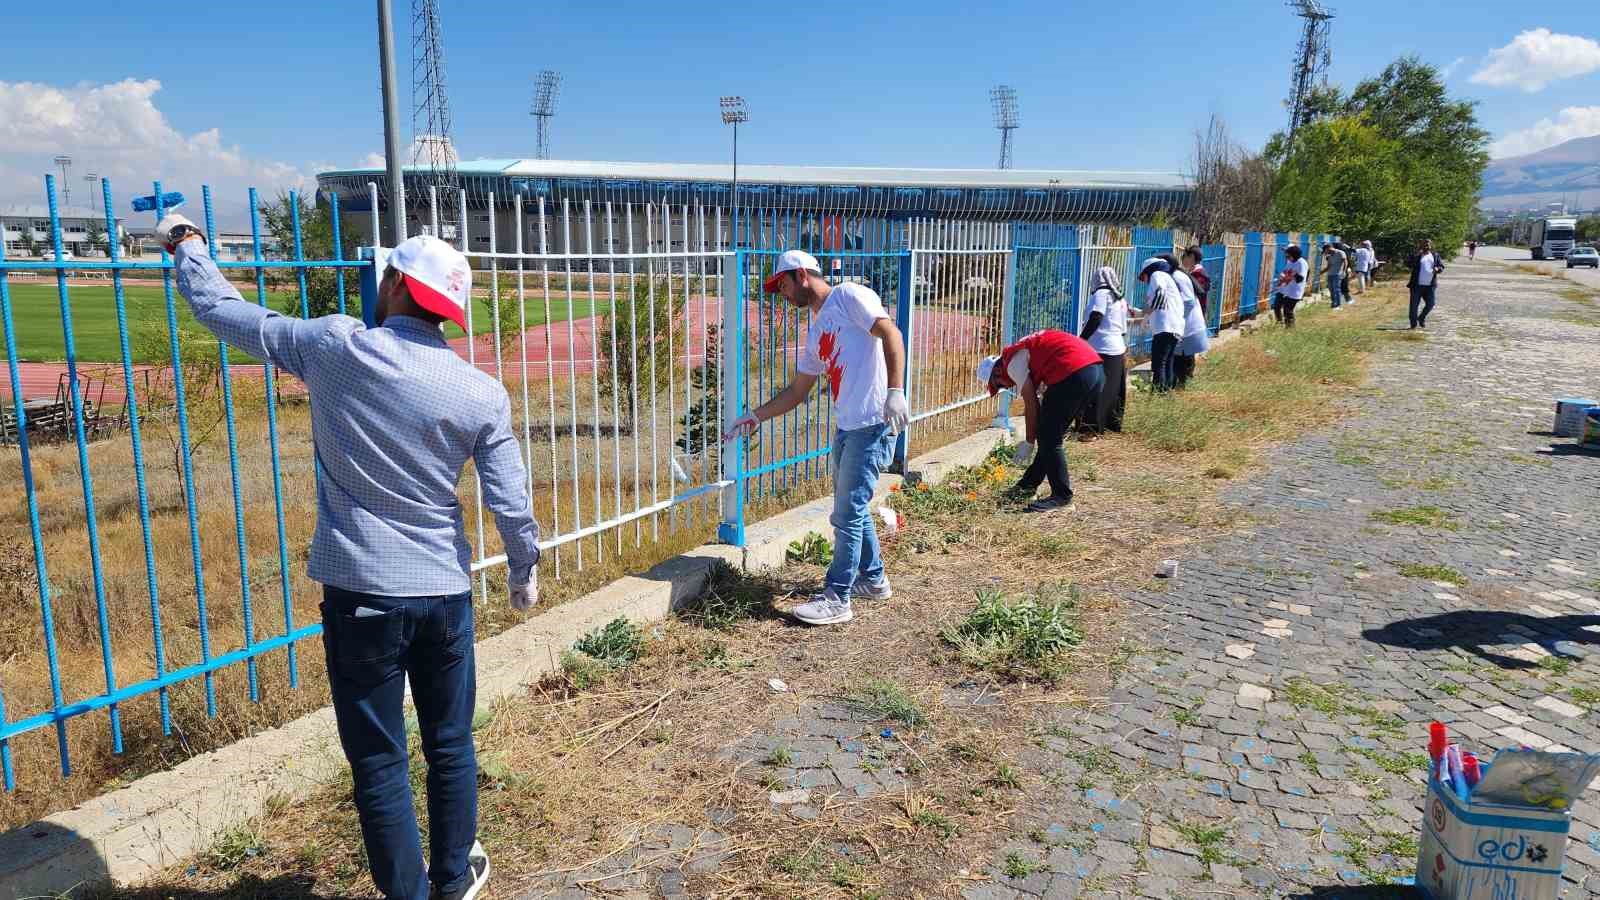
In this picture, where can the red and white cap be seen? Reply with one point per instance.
(790, 261)
(437, 275)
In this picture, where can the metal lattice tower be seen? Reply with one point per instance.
(545, 91)
(1004, 100)
(1312, 59)
(430, 112)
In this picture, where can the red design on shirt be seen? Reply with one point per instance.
(828, 350)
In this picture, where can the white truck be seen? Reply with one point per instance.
(1554, 237)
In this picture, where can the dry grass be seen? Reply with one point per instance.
(574, 779)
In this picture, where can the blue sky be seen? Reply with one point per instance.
(264, 95)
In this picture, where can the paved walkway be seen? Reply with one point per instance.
(1291, 665)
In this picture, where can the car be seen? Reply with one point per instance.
(1584, 256)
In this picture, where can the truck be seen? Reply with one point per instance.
(1554, 237)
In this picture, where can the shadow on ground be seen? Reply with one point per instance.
(1471, 630)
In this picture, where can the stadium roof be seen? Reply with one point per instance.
(808, 175)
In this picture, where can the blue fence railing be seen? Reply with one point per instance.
(169, 560)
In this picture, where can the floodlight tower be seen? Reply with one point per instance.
(1311, 61)
(93, 180)
(64, 163)
(430, 107)
(735, 112)
(547, 87)
(1004, 100)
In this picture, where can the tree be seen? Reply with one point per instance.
(699, 421)
(30, 246)
(1401, 136)
(316, 240)
(96, 236)
(642, 322)
(1232, 187)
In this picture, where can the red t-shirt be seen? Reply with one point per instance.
(1053, 356)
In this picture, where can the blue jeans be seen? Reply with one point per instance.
(1335, 290)
(373, 645)
(859, 456)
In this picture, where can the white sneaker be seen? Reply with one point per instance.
(879, 591)
(478, 868)
(824, 609)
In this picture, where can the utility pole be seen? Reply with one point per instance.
(391, 127)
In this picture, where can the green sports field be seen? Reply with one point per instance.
(36, 315)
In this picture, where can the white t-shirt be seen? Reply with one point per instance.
(1196, 337)
(1018, 370)
(1169, 318)
(1111, 338)
(840, 344)
(1425, 269)
(1295, 290)
(1363, 259)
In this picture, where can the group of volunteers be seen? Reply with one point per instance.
(396, 415)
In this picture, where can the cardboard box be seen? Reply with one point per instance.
(1486, 851)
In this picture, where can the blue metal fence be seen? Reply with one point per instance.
(1250, 292)
(959, 290)
(79, 410)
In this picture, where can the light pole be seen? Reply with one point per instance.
(734, 111)
(391, 126)
(92, 179)
(64, 163)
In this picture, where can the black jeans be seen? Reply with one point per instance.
(1062, 403)
(1182, 369)
(1419, 294)
(1283, 309)
(1105, 412)
(373, 644)
(1162, 349)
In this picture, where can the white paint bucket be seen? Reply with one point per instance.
(1569, 416)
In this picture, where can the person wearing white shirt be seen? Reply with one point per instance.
(1106, 330)
(1193, 283)
(1291, 286)
(854, 343)
(1163, 311)
(1425, 266)
(1364, 266)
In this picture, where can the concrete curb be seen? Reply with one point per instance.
(161, 819)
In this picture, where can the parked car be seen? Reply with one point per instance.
(1584, 256)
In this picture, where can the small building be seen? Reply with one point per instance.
(26, 230)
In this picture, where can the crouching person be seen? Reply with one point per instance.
(1058, 376)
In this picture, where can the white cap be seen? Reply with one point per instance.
(790, 261)
(986, 368)
(437, 275)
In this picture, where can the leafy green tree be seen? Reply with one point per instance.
(316, 240)
(642, 321)
(1399, 135)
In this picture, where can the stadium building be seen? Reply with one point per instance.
(664, 206)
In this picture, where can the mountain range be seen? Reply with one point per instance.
(1568, 171)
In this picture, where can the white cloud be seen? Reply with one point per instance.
(1447, 71)
(1536, 58)
(1571, 122)
(373, 160)
(115, 130)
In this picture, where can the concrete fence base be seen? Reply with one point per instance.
(131, 833)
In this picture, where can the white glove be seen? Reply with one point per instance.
(1024, 454)
(525, 596)
(896, 413)
(170, 221)
(744, 426)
